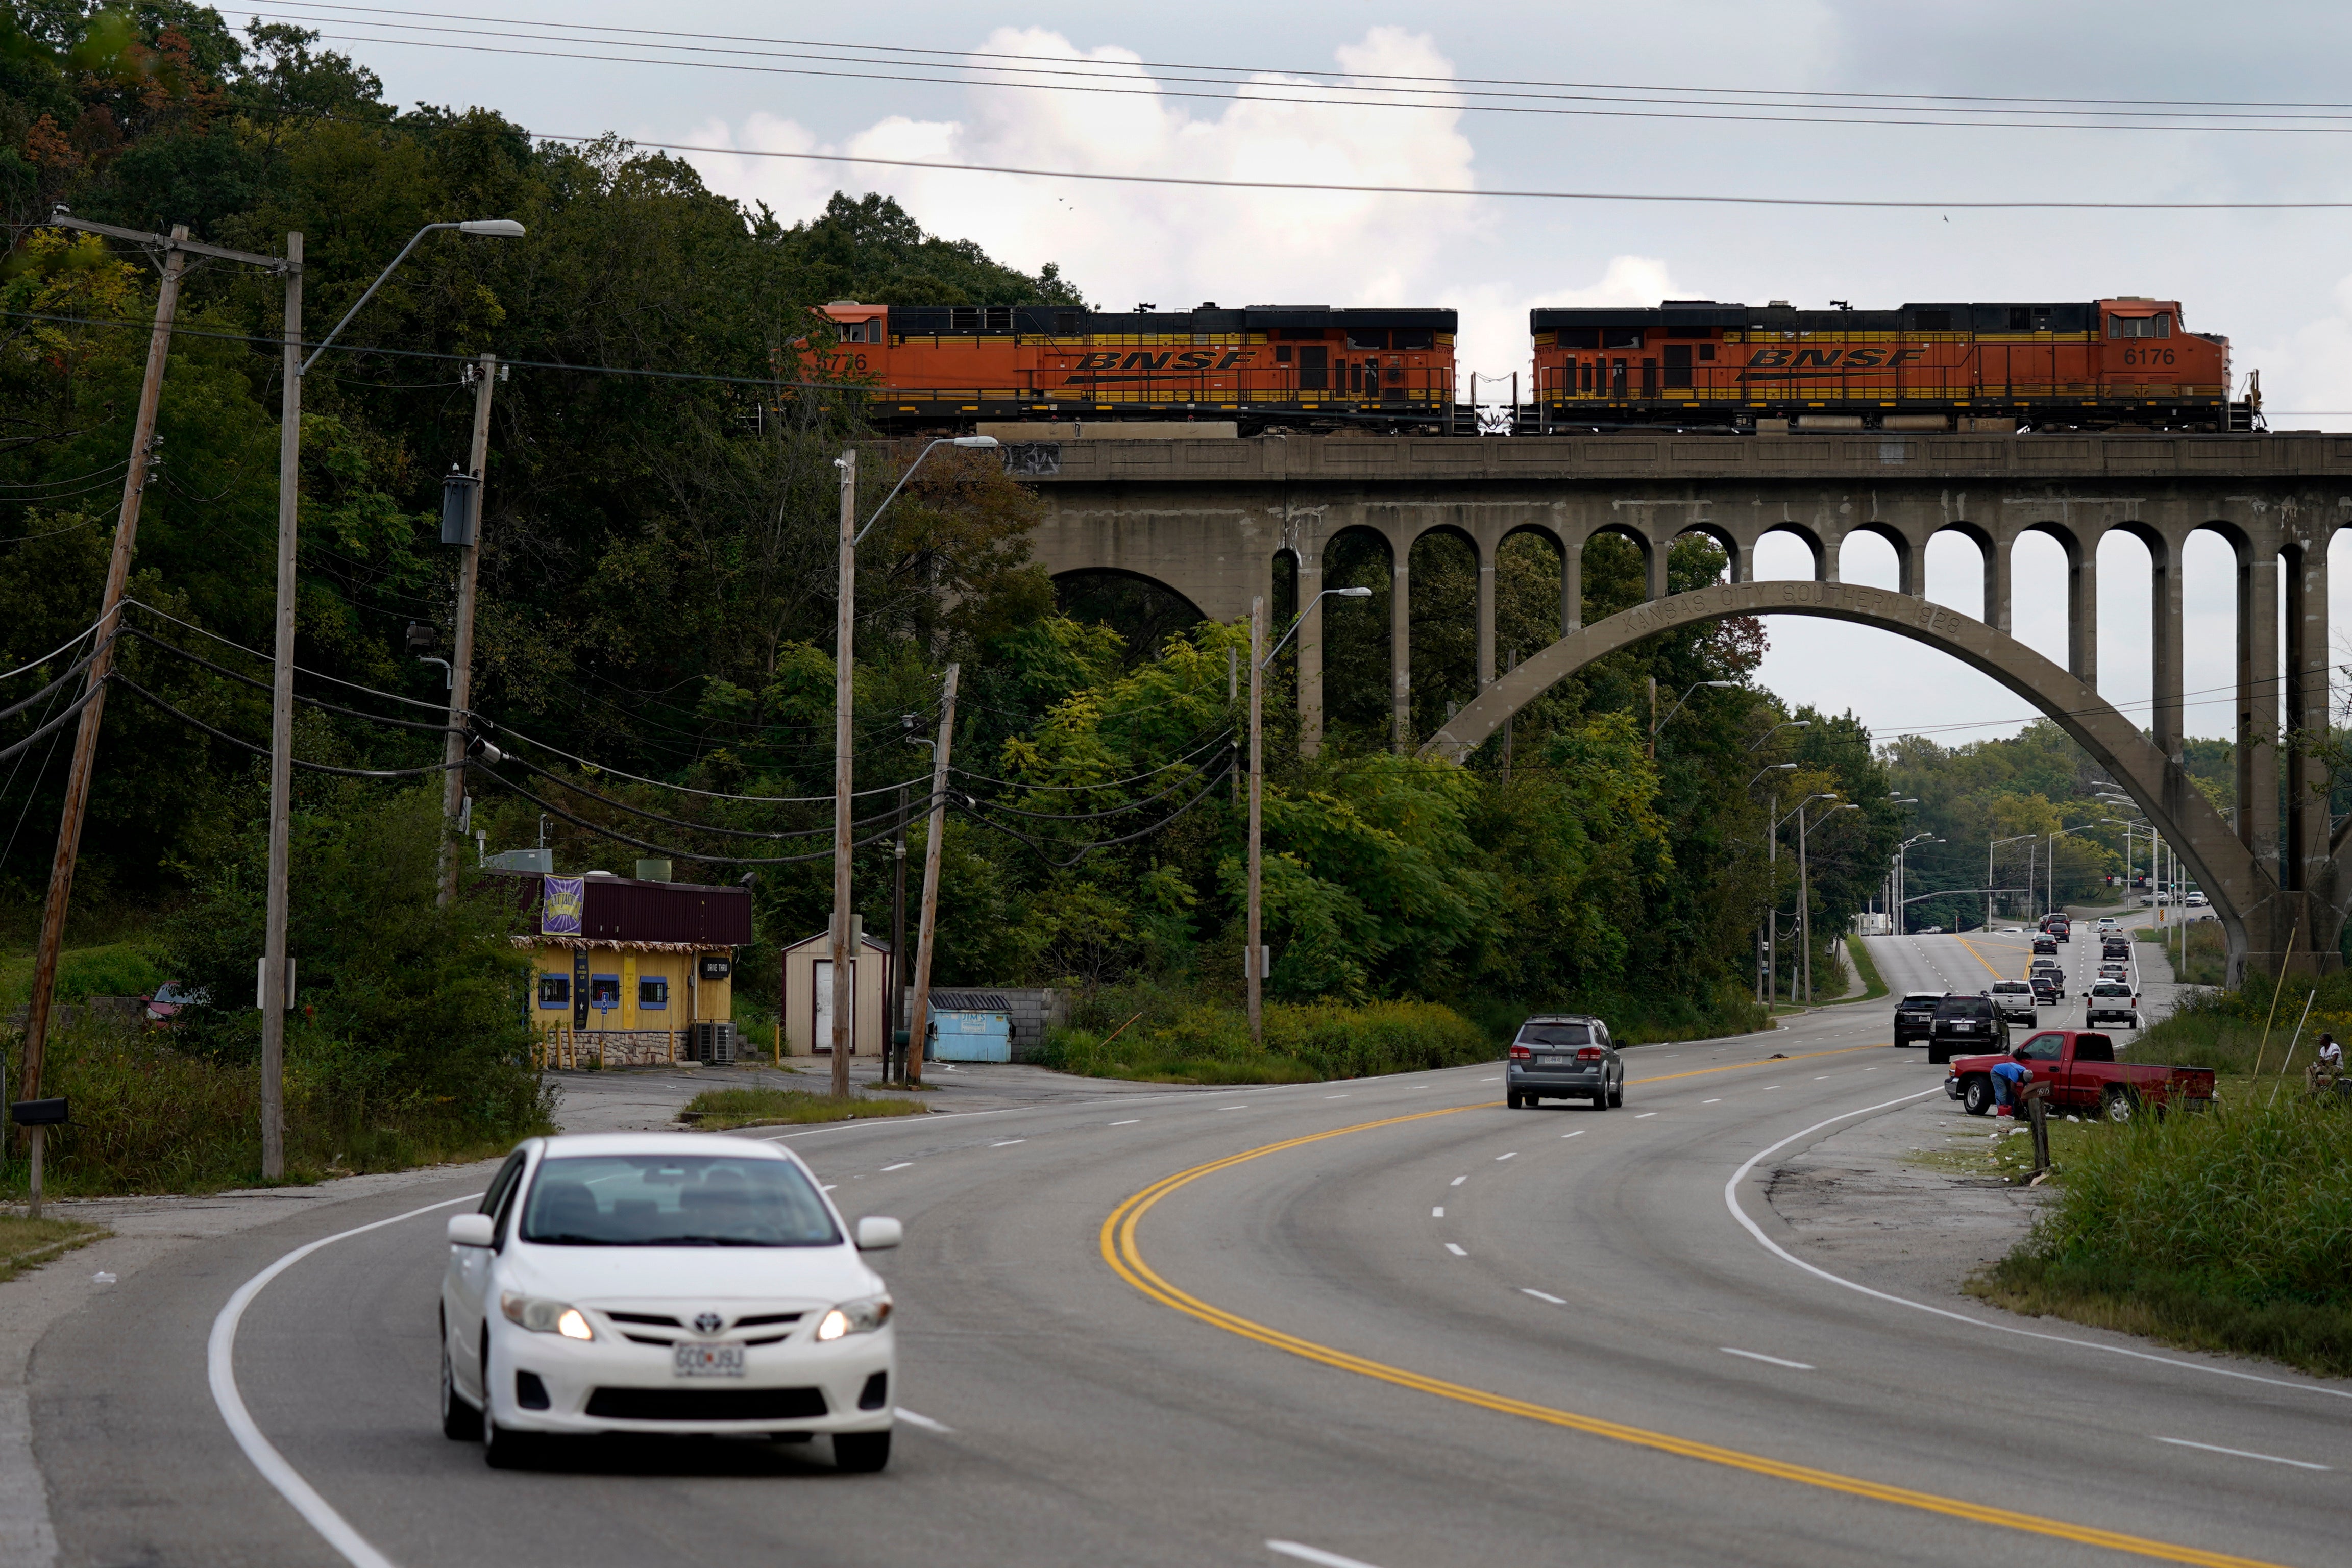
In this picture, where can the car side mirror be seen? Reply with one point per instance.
(471, 1230)
(877, 1234)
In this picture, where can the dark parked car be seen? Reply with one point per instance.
(1966, 1023)
(1564, 1057)
(1914, 1014)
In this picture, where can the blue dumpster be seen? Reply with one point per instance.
(971, 1035)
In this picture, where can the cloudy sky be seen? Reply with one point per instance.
(772, 78)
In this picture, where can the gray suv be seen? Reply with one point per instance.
(1564, 1055)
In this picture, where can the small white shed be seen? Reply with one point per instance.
(808, 996)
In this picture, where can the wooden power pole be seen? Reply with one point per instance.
(461, 656)
(101, 665)
(1252, 963)
(919, 1015)
(844, 934)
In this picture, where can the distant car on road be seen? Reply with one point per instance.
(2014, 999)
(1563, 1056)
(2081, 1069)
(2106, 923)
(1931, 931)
(2197, 901)
(1915, 1016)
(2049, 968)
(664, 1282)
(2111, 971)
(2047, 992)
(2111, 1001)
(1962, 1023)
(2045, 944)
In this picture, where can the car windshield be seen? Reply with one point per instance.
(667, 1200)
(2111, 990)
(1555, 1035)
(1963, 1007)
(1927, 1001)
(2010, 987)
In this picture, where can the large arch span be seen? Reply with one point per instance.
(2260, 917)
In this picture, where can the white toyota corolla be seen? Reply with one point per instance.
(664, 1282)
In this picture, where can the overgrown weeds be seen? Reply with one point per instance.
(716, 1110)
(1179, 1041)
(2230, 1231)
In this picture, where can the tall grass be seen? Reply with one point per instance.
(150, 1118)
(2230, 1231)
(1173, 1041)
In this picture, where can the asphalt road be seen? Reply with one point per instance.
(1411, 1327)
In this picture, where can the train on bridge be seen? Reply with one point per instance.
(2122, 363)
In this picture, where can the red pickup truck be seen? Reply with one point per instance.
(2081, 1069)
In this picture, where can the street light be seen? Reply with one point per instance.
(1990, 847)
(844, 937)
(1253, 960)
(1902, 862)
(1657, 723)
(1785, 725)
(1804, 886)
(1775, 768)
(1772, 859)
(281, 706)
(1299, 619)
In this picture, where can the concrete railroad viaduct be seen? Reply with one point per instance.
(1208, 518)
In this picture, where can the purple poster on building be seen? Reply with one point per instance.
(564, 900)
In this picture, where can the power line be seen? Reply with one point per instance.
(66, 647)
(1457, 97)
(480, 764)
(220, 734)
(1352, 76)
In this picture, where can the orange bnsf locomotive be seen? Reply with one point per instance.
(1305, 366)
(2121, 364)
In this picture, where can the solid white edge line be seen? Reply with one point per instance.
(1731, 1202)
(220, 1365)
(1315, 1555)
(1776, 1360)
(925, 1422)
(2243, 1454)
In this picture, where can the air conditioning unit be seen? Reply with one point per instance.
(713, 1045)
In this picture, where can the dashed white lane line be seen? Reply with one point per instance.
(1512, 1155)
(1315, 1555)
(1455, 1250)
(1716, 1100)
(1335, 1097)
(1130, 1122)
(1541, 1296)
(1578, 1133)
(1008, 1143)
(925, 1422)
(1819, 1077)
(1490, 1080)
(2243, 1454)
(1776, 1360)
(1232, 1108)
(899, 1166)
(1457, 1181)
(1438, 1212)
(1646, 1116)
(1771, 1086)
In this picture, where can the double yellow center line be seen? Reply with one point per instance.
(1121, 1251)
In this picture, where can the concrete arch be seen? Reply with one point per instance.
(1910, 559)
(1720, 536)
(2256, 914)
(1124, 574)
(1823, 551)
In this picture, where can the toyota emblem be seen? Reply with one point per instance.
(708, 1322)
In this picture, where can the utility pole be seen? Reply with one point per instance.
(845, 939)
(1252, 963)
(461, 657)
(1804, 909)
(896, 966)
(919, 1016)
(101, 665)
(1772, 910)
(281, 731)
(1654, 718)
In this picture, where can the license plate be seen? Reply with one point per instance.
(707, 1361)
(1550, 1061)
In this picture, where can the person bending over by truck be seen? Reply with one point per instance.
(2009, 1076)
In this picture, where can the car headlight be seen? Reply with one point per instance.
(545, 1316)
(853, 1318)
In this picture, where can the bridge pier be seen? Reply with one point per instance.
(1309, 553)
(1486, 550)
(1400, 643)
(2082, 610)
(2258, 701)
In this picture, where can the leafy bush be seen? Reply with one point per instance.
(407, 1044)
(1202, 1042)
(2227, 1231)
(718, 1109)
(117, 969)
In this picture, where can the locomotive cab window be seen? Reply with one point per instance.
(1412, 342)
(2159, 325)
(1367, 338)
(1621, 337)
(1282, 353)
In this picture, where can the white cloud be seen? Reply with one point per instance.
(1172, 245)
